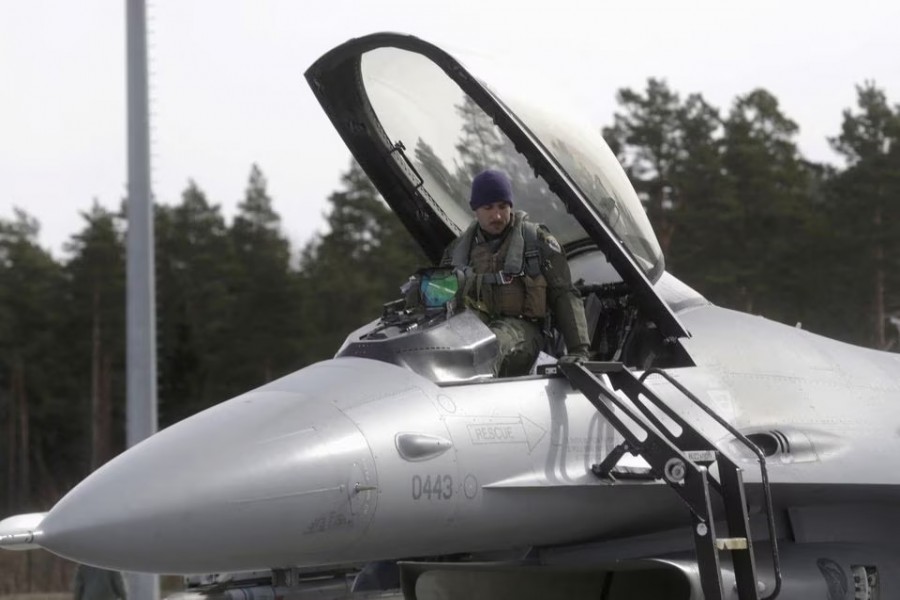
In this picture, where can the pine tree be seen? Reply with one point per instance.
(648, 134)
(672, 152)
(266, 311)
(96, 328)
(195, 277)
(770, 184)
(352, 270)
(36, 427)
(481, 144)
(865, 210)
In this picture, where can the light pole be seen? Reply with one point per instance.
(140, 293)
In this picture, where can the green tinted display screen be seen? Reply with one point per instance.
(438, 288)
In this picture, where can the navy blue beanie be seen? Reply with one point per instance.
(490, 186)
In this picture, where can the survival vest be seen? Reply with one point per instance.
(507, 282)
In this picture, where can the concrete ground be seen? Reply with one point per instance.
(39, 596)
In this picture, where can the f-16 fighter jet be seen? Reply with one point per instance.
(704, 453)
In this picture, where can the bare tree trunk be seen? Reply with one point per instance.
(101, 392)
(878, 256)
(49, 489)
(746, 299)
(11, 447)
(106, 449)
(660, 213)
(96, 433)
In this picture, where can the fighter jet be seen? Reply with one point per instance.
(707, 453)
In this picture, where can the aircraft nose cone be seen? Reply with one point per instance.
(270, 478)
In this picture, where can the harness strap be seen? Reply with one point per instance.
(532, 254)
(460, 257)
(523, 256)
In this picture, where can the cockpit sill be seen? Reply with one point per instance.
(451, 347)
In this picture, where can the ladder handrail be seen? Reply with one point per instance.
(612, 369)
(767, 492)
(624, 380)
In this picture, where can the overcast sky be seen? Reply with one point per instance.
(227, 86)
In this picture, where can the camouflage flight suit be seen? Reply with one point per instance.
(514, 280)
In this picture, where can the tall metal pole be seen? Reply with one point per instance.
(141, 317)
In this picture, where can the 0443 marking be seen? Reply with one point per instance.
(428, 487)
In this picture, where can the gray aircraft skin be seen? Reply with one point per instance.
(404, 447)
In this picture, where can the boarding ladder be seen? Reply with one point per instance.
(683, 462)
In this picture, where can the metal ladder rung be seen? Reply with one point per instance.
(699, 456)
(735, 543)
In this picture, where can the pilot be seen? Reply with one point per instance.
(518, 275)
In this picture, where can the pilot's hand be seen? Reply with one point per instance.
(577, 356)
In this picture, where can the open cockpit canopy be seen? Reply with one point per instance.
(422, 126)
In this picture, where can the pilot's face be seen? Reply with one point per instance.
(494, 217)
